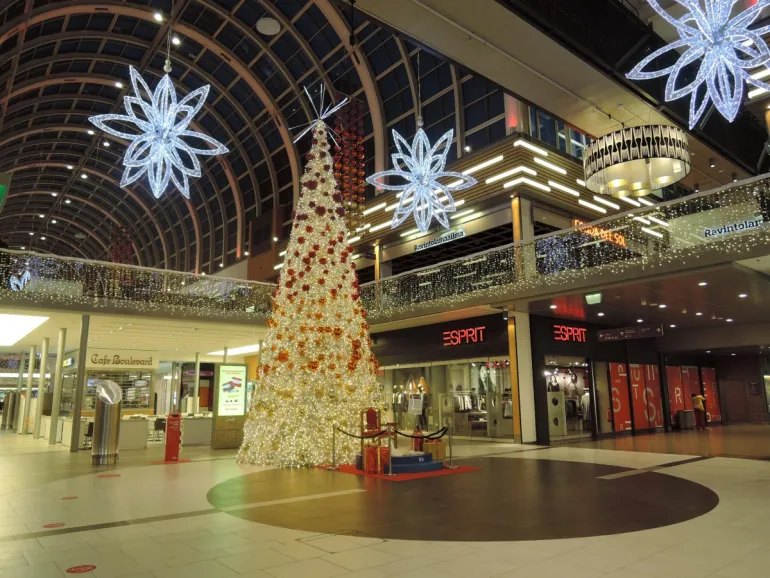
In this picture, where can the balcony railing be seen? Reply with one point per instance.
(704, 229)
(33, 279)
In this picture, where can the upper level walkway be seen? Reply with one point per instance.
(704, 230)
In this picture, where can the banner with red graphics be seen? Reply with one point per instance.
(690, 384)
(676, 391)
(621, 404)
(638, 385)
(653, 396)
(712, 394)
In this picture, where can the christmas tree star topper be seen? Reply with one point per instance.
(158, 149)
(726, 48)
(321, 113)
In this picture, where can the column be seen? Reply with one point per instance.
(224, 357)
(19, 381)
(41, 388)
(197, 384)
(525, 379)
(28, 401)
(80, 384)
(52, 434)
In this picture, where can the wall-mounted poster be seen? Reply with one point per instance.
(232, 390)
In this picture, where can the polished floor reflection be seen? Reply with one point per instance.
(530, 512)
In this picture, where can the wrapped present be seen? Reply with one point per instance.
(436, 449)
(371, 466)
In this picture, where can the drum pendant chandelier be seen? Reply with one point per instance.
(635, 161)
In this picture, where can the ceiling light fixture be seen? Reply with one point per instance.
(67, 201)
(743, 295)
(371, 210)
(16, 327)
(729, 320)
(604, 201)
(551, 166)
(553, 306)
(563, 189)
(530, 146)
(645, 201)
(632, 162)
(640, 320)
(672, 326)
(702, 283)
(509, 172)
(268, 26)
(70, 167)
(600, 314)
(53, 221)
(175, 40)
(89, 131)
(467, 148)
(662, 306)
(158, 17)
(699, 314)
(631, 201)
(118, 84)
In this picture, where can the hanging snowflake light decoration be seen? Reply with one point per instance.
(158, 149)
(726, 48)
(421, 166)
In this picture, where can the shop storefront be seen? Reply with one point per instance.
(456, 373)
(591, 381)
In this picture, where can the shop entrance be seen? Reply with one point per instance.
(569, 393)
(472, 396)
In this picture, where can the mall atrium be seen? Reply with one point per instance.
(384, 288)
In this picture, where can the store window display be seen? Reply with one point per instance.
(569, 398)
(473, 396)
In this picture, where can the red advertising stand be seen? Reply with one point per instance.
(173, 437)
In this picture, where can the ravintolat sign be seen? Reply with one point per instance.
(462, 336)
(599, 233)
(121, 359)
(569, 333)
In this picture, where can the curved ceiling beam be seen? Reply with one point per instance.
(79, 201)
(51, 12)
(41, 164)
(51, 80)
(137, 223)
(409, 73)
(113, 181)
(175, 56)
(63, 219)
(304, 44)
(266, 49)
(364, 71)
(76, 249)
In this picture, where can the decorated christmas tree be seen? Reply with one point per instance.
(317, 371)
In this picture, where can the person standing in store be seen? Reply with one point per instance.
(700, 411)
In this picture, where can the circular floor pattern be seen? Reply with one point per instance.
(508, 500)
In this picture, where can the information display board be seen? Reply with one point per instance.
(231, 384)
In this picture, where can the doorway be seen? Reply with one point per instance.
(570, 398)
(736, 403)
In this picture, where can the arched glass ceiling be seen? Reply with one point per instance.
(61, 60)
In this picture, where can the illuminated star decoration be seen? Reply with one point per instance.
(421, 165)
(18, 283)
(158, 149)
(321, 113)
(727, 50)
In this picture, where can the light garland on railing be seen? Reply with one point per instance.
(726, 46)
(722, 225)
(93, 285)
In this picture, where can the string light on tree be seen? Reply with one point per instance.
(726, 47)
(158, 149)
(318, 371)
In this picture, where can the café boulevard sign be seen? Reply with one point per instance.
(121, 359)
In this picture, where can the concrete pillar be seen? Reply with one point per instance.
(197, 384)
(19, 382)
(57, 386)
(41, 382)
(526, 382)
(80, 384)
(24, 428)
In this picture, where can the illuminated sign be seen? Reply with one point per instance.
(232, 390)
(461, 336)
(69, 362)
(601, 234)
(569, 333)
(447, 237)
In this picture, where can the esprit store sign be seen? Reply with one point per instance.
(463, 336)
(569, 333)
(121, 359)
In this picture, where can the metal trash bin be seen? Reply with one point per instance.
(685, 419)
(9, 410)
(106, 434)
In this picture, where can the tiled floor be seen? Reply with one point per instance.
(158, 521)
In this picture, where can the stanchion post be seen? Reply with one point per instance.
(451, 453)
(334, 448)
(390, 451)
